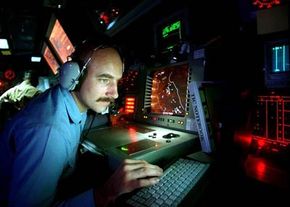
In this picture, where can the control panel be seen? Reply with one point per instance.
(139, 141)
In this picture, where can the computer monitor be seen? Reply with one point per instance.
(165, 99)
(169, 90)
(59, 40)
(173, 99)
(277, 68)
(50, 59)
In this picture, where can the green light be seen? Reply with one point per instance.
(124, 148)
(170, 47)
(170, 28)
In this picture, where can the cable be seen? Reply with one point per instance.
(86, 145)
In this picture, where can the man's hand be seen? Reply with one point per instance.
(130, 175)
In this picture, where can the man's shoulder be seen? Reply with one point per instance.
(54, 92)
(50, 101)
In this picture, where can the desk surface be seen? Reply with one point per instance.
(139, 141)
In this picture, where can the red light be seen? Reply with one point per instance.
(129, 104)
(9, 74)
(1, 84)
(105, 17)
(130, 99)
(261, 143)
(266, 3)
(132, 134)
(260, 169)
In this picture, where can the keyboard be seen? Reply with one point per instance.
(177, 181)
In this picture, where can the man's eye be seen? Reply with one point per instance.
(104, 80)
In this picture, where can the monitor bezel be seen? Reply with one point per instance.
(63, 41)
(53, 63)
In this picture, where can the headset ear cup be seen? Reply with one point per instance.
(69, 75)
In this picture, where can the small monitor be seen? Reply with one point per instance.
(50, 59)
(59, 40)
(280, 58)
(170, 32)
(277, 69)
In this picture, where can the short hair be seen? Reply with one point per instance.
(32, 76)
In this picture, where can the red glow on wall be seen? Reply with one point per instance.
(266, 171)
(243, 138)
(266, 3)
(261, 168)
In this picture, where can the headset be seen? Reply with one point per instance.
(70, 72)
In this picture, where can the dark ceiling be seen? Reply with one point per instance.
(25, 25)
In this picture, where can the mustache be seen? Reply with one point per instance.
(105, 99)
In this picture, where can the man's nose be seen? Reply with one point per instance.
(113, 90)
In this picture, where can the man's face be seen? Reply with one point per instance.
(99, 88)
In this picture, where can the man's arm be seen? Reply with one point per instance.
(5, 97)
(130, 175)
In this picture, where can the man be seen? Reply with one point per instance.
(16, 98)
(39, 146)
(23, 91)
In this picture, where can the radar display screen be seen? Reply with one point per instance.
(169, 90)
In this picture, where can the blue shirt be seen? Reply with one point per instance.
(38, 147)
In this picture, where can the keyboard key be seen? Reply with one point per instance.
(178, 179)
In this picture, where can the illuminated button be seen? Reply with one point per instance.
(124, 149)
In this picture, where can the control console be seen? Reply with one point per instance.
(138, 141)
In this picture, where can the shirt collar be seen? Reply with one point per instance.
(71, 107)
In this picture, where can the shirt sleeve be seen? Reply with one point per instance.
(42, 154)
(8, 95)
